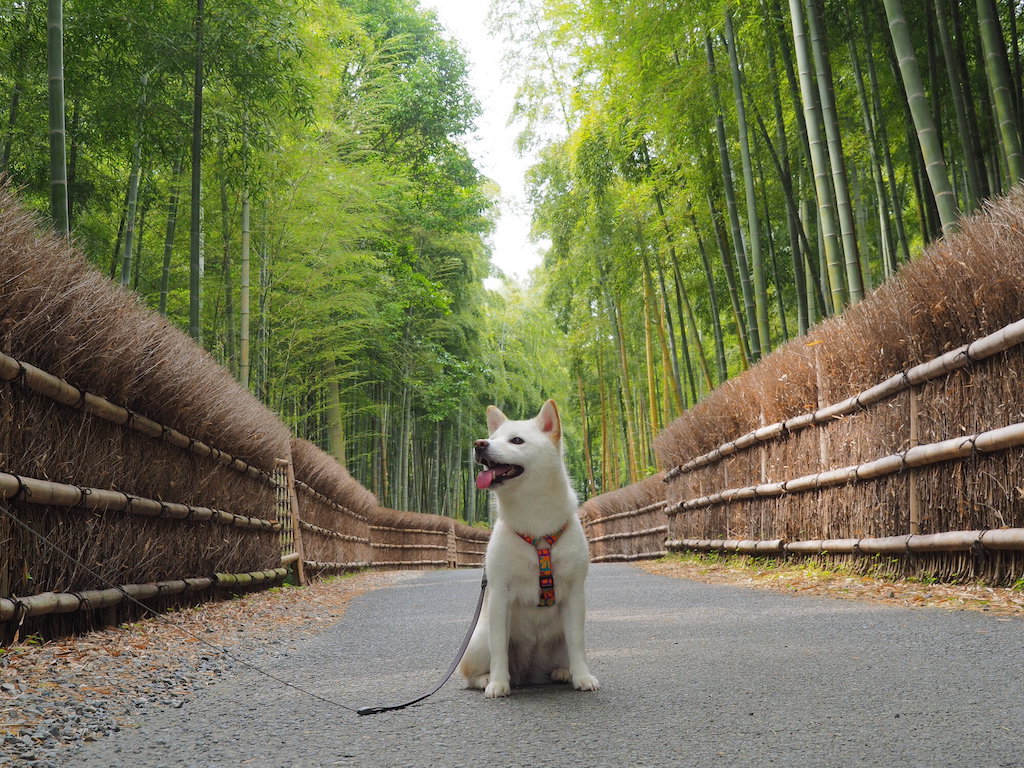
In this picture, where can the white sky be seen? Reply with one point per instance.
(493, 148)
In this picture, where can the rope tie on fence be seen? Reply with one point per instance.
(19, 375)
(129, 419)
(165, 511)
(80, 403)
(84, 494)
(23, 490)
(903, 460)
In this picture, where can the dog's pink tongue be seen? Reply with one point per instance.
(485, 478)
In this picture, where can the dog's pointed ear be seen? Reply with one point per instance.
(549, 422)
(495, 418)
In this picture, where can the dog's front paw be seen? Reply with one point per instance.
(585, 682)
(496, 689)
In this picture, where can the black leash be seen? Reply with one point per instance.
(451, 669)
(227, 654)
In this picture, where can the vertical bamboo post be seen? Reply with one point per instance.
(453, 558)
(822, 436)
(293, 507)
(915, 439)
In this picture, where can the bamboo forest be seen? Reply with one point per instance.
(289, 182)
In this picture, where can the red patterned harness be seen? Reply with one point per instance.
(547, 577)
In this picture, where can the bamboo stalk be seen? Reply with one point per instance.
(981, 349)
(440, 547)
(49, 493)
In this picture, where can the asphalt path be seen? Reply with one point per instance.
(691, 675)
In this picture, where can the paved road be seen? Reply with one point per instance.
(691, 675)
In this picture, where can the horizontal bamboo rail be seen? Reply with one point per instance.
(291, 557)
(630, 534)
(46, 603)
(980, 349)
(316, 565)
(35, 491)
(629, 513)
(998, 539)
(60, 391)
(299, 485)
(405, 563)
(443, 547)
(619, 558)
(332, 534)
(426, 531)
(922, 455)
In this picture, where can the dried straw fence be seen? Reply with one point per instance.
(891, 437)
(144, 464)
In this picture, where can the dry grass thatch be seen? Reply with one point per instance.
(61, 315)
(340, 509)
(412, 539)
(637, 509)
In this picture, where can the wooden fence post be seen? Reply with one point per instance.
(915, 440)
(292, 501)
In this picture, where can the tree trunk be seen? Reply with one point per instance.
(723, 250)
(195, 242)
(739, 247)
(172, 222)
(885, 234)
(55, 103)
(883, 140)
(229, 287)
(243, 309)
(837, 162)
(935, 166)
(974, 171)
(760, 287)
(133, 197)
(335, 431)
(997, 70)
(819, 163)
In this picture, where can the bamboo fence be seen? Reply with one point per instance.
(127, 447)
(337, 529)
(839, 458)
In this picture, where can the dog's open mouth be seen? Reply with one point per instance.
(495, 474)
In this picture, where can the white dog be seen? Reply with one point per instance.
(531, 628)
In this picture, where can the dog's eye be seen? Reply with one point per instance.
(517, 441)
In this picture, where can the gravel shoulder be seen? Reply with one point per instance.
(58, 695)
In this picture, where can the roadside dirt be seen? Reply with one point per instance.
(813, 580)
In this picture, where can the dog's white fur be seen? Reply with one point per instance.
(516, 641)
